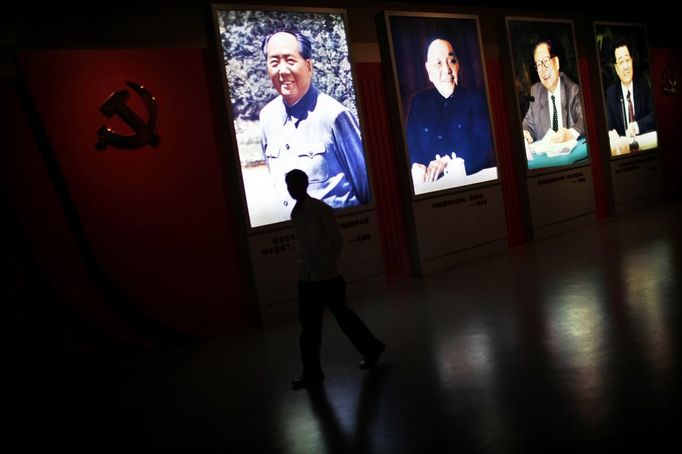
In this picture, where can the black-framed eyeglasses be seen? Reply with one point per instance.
(545, 62)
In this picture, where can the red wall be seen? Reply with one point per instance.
(505, 160)
(599, 180)
(384, 171)
(156, 219)
(668, 116)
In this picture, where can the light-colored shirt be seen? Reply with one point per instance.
(319, 240)
(538, 120)
(322, 138)
(629, 89)
(557, 98)
(625, 89)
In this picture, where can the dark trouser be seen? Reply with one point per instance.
(312, 296)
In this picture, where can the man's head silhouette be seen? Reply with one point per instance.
(297, 183)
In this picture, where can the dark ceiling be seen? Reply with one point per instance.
(182, 22)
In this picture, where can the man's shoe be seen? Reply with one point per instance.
(307, 381)
(370, 360)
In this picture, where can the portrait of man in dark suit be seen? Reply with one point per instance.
(546, 77)
(557, 103)
(629, 100)
(629, 103)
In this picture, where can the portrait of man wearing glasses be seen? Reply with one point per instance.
(556, 111)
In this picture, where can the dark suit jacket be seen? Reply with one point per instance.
(537, 119)
(644, 107)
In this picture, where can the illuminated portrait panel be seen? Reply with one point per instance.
(290, 89)
(550, 101)
(445, 116)
(626, 87)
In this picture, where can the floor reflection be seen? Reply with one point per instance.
(325, 423)
(570, 344)
(578, 345)
(468, 364)
(644, 272)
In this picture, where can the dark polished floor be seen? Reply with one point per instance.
(570, 344)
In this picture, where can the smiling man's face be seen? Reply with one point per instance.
(546, 66)
(289, 72)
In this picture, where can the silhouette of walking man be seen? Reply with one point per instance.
(319, 245)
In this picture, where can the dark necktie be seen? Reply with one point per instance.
(555, 117)
(631, 109)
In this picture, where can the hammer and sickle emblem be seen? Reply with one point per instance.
(145, 132)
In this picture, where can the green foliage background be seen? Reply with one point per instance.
(249, 87)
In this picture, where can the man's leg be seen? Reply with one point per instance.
(310, 316)
(364, 341)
